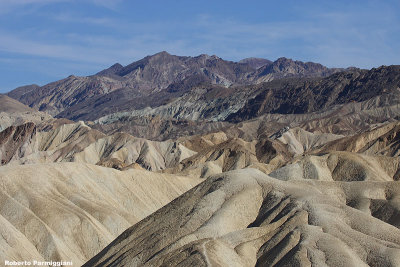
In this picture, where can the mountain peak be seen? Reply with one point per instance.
(161, 54)
(160, 57)
(116, 65)
(111, 70)
(255, 62)
(283, 60)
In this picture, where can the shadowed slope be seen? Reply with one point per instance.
(246, 218)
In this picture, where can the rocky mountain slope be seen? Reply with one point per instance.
(308, 95)
(217, 103)
(171, 75)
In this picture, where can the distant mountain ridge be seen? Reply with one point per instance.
(300, 96)
(284, 67)
(198, 100)
(256, 62)
(156, 73)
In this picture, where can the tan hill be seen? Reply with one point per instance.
(8, 104)
(229, 155)
(298, 140)
(70, 211)
(26, 144)
(123, 149)
(13, 113)
(216, 155)
(382, 140)
(341, 166)
(216, 152)
(246, 218)
(200, 155)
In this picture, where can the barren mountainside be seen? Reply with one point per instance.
(196, 99)
(151, 75)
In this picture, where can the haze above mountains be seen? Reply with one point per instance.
(198, 161)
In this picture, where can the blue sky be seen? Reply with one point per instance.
(46, 40)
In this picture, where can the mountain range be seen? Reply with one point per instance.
(155, 80)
